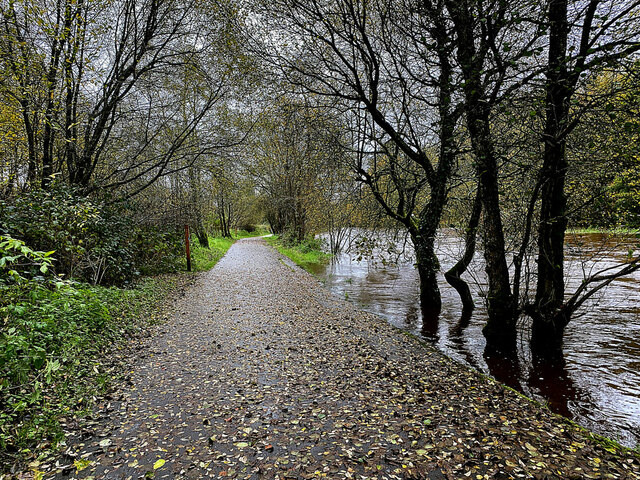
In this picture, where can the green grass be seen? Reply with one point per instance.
(203, 259)
(60, 348)
(307, 255)
(608, 231)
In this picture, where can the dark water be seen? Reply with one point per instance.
(599, 385)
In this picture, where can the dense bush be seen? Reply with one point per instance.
(311, 243)
(94, 241)
(52, 348)
(625, 190)
(19, 264)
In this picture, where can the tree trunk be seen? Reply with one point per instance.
(428, 265)
(49, 114)
(548, 324)
(547, 337)
(424, 243)
(222, 217)
(453, 275)
(201, 234)
(500, 330)
(423, 236)
(32, 171)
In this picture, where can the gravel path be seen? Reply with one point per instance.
(261, 373)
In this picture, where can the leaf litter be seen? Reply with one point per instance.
(259, 372)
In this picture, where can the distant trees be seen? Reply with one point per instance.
(604, 147)
(235, 201)
(293, 150)
(387, 67)
(621, 144)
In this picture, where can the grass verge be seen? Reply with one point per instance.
(605, 231)
(203, 259)
(308, 254)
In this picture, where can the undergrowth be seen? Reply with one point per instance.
(54, 350)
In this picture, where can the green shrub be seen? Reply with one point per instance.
(51, 220)
(52, 354)
(20, 264)
(310, 244)
(95, 242)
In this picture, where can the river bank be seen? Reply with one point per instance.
(261, 373)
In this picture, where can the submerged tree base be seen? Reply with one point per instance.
(547, 341)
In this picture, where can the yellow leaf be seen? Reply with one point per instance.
(159, 463)
(81, 464)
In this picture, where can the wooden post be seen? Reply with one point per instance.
(186, 241)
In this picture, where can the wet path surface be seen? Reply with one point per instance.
(261, 373)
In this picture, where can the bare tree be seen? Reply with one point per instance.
(387, 65)
(583, 36)
(92, 78)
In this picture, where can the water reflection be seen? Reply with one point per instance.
(597, 384)
(412, 317)
(552, 381)
(457, 339)
(504, 369)
(430, 324)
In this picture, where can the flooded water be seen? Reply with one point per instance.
(599, 385)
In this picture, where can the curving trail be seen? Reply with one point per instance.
(260, 373)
